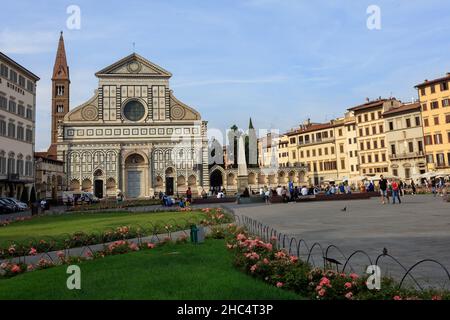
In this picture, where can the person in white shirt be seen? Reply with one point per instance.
(304, 191)
(279, 191)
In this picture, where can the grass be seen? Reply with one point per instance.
(58, 225)
(168, 272)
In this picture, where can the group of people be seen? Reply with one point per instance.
(182, 202)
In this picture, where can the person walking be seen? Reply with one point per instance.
(433, 187)
(189, 195)
(413, 187)
(395, 192)
(383, 190)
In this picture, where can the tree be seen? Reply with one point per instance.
(33, 195)
(24, 196)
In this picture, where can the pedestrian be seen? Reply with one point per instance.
(383, 184)
(189, 195)
(395, 192)
(433, 187)
(413, 187)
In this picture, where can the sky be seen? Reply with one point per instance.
(278, 61)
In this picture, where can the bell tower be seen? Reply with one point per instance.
(60, 94)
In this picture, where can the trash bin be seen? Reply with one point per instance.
(197, 234)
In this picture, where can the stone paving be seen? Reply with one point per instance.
(417, 229)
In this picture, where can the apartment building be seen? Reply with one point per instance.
(17, 128)
(434, 97)
(404, 136)
(371, 138)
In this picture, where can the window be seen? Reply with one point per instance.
(377, 158)
(383, 157)
(430, 158)
(294, 154)
(433, 89)
(374, 130)
(382, 143)
(21, 81)
(308, 153)
(444, 86)
(341, 148)
(375, 144)
(359, 118)
(349, 141)
(438, 138)
(314, 152)
(408, 123)
(424, 107)
(440, 159)
(391, 125)
(426, 122)
(11, 164)
(361, 145)
(407, 173)
(332, 150)
(4, 71)
(29, 113)
(420, 146)
(366, 117)
(11, 130)
(417, 121)
(28, 168)
(428, 140)
(12, 106)
(445, 103)
(393, 149)
(20, 167)
(29, 135)
(381, 128)
(360, 132)
(342, 164)
(59, 90)
(411, 147)
(59, 108)
(369, 158)
(372, 116)
(2, 127)
(134, 111)
(20, 133)
(436, 120)
(447, 118)
(363, 159)
(326, 151)
(351, 154)
(422, 91)
(448, 136)
(3, 102)
(2, 163)
(395, 172)
(434, 105)
(21, 110)
(379, 114)
(368, 145)
(340, 132)
(320, 151)
(30, 86)
(13, 76)
(367, 131)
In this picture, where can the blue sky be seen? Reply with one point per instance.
(278, 61)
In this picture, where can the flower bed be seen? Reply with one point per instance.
(9, 269)
(80, 239)
(265, 261)
(105, 205)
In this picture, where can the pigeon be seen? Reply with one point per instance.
(343, 210)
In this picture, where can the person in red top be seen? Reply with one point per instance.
(395, 192)
(189, 195)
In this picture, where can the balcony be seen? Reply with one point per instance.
(406, 155)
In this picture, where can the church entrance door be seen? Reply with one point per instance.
(98, 188)
(169, 186)
(134, 184)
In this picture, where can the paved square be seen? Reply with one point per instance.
(417, 229)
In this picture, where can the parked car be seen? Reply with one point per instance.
(79, 197)
(7, 207)
(22, 205)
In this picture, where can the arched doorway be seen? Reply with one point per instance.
(170, 177)
(98, 183)
(136, 170)
(216, 179)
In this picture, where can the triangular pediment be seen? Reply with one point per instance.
(134, 65)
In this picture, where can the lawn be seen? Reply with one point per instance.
(168, 272)
(89, 222)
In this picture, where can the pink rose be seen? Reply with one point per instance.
(347, 285)
(397, 298)
(436, 298)
(150, 245)
(32, 252)
(325, 282)
(266, 261)
(253, 268)
(349, 295)
(354, 276)
(15, 269)
(322, 292)
(30, 267)
(280, 284)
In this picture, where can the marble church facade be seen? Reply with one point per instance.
(133, 135)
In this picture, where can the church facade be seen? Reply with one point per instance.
(133, 135)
